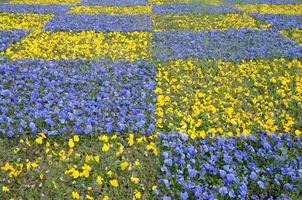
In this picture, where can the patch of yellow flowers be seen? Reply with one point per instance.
(287, 9)
(46, 2)
(52, 165)
(112, 10)
(209, 2)
(91, 45)
(199, 96)
(202, 22)
(295, 34)
(24, 21)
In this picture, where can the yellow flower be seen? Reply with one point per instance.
(88, 158)
(89, 197)
(109, 173)
(97, 158)
(120, 150)
(124, 165)
(75, 195)
(114, 183)
(134, 180)
(75, 174)
(86, 173)
(42, 135)
(39, 140)
(86, 167)
(246, 132)
(106, 198)
(131, 140)
(154, 187)
(114, 137)
(71, 143)
(99, 180)
(104, 138)
(106, 147)
(202, 134)
(137, 163)
(76, 138)
(298, 132)
(137, 195)
(5, 189)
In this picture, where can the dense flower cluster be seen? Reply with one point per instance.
(281, 21)
(115, 2)
(101, 23)
(49, 45)
(208, 2)
(270, 2)
(46, 2)
(13, 21)
(224, 45)
(111, 10)
(271, 9)
(202, 22)
(86, 86)
(254, 167)
(85, 97)
(294, 34)
(41, 9)
(77, 167)
(200, 96)
(9, 37)
(191, 8)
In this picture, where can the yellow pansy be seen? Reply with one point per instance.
(124, 165)
(76, 138)
(114, 183)
(71, 143)
(106, 147)
(75, 195)
(5, 189)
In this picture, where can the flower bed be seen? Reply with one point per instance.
(259, 166)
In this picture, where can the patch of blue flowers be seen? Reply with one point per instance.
(281, 21)
(254, 167)
(231, 45)
(41, 9)
(57, 97)
(100, 23)
(9, 37)
(115, 2)
(261, 2)
(192, 8)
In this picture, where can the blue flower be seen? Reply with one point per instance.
(88, 129)
(101, 23)
(261, 185)
(227, 159)
(59, 96)
(288, 186)
(243, 190)
(231, 193)
(223, 191)
(253, 176)
(168, 162)
(184, 195)
(115, 2)
(41, 9)
(192, 173)
(231, 45)
(9, 37)
(231, 178)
